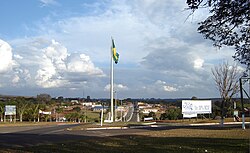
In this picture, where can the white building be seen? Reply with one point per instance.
(148, 110)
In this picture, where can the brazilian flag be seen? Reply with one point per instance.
(115, 54)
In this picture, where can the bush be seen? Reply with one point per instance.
(171, 114)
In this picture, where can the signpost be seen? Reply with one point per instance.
(10, 110)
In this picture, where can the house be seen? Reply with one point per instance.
(99, 108)
(148, 110)
(74, 101)
(88, 104)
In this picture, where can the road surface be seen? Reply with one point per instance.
(35, 135)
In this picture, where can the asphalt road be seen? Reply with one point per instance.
(35, 135)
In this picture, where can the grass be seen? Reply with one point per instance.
(174, 140)
(188, 140)
(141, 144)
(6, 124)
(163, 122)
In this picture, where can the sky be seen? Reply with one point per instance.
(62, 48)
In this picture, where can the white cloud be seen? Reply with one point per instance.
(18, 56)
(48, 2)
(20, 77)
(153, 38)
(117, 87)
(82, 64)
(198, 63)
(6, 62)
(15, 79)
(162, 85)
(159, 88)
(57, 64)
(170, 88)
(57, 54)
(92, 33)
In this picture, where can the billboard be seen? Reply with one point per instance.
(10, 110)
(196, 106)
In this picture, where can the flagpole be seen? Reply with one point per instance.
(112, 86)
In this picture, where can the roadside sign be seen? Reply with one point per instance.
(10, 110)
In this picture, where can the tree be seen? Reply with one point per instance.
(194, 98)
(171, 114)
(163, 116)
(58, 111)
(72, 116)
(226, 79)
(34, 111)
(152, 114)
(21, 106)
(77, 109)
(228, 24)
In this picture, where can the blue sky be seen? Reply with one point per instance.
(62, 48)
(18, 16)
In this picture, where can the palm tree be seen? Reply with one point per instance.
(34, 110)
(58, 111)
(21, 107)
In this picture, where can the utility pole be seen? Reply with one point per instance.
(85, 121)
(102, 114)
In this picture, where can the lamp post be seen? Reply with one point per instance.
(121, 110)
(102, 113)
(85, 121)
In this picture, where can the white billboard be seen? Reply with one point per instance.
(10, 110)
(196, 106)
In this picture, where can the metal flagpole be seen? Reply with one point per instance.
(112, 86)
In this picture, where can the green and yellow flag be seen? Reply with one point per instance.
(115, 54)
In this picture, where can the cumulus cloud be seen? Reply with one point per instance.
(56, 64)
(6, 62)
(157, 36)
(12, 72)
(81, 63)
(153, 37)
(21, 76)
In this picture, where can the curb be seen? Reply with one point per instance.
(227, 123)
(107, 128)
(157, 126)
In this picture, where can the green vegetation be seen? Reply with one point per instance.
(173, 140)
(171, 114)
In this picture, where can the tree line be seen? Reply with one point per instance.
(30, 109)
